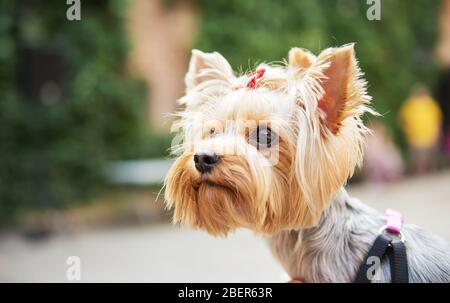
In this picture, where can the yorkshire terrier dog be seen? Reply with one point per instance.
(271, 151)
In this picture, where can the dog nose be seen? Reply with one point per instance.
(205, 162)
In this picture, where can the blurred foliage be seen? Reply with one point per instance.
(395, 52)
(53, 152)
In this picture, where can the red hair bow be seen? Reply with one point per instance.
(254, 77)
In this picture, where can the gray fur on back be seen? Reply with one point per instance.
(334, 249)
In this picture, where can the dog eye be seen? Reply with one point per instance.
(262, 137)
(211, 130)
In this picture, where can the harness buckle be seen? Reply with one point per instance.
(393, 236)
(394, 222)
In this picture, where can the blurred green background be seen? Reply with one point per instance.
(58, 137)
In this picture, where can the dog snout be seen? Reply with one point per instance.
(205, 162)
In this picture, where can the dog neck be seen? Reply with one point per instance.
(332, 250)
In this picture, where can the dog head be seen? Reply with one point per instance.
(269, 149)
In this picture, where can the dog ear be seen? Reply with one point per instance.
(207, 66)
(340, 84)
(299, 58)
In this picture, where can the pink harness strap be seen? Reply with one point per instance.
(394, 221)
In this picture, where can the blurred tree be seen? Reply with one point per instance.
(67, 106)
(394, 52)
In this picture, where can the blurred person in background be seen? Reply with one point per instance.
(382, 159)
(421, 120)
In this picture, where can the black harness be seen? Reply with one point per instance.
(389, 245)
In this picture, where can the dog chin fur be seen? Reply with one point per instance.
(314, 106)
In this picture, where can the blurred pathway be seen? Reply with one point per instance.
(150, 254)
(169, 254)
